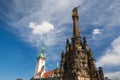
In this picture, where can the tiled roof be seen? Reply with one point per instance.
(48, 74)
(51, 73)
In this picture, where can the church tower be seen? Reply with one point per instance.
(40, 64)
(77, 63)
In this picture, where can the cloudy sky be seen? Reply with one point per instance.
(26, 24)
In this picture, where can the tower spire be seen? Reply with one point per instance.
(41, 54)
(76, 31)
(57, 65)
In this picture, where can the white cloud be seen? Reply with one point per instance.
(113, 75)
(111, 56)
(43, 33)
(115, 10)
(95, 32)
(43, 28)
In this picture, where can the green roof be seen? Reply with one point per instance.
(41, 54)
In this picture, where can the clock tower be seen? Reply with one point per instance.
(40, 64)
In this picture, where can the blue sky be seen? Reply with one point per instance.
(26, 24)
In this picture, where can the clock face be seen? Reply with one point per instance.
(41, 62)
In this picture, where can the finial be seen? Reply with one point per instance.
(67, 42)
(76, 8)
(84, 40)
(62, 54)
(57, 65)
(43, 46)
